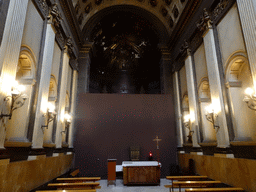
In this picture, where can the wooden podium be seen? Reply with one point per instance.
(111, 171)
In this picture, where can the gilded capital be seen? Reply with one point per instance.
(205, 22)
(185, 48)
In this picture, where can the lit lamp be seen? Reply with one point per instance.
(50, 114)
(211, 116)
(16, 93)
(250, 98)
(187, 125)
(67, 118)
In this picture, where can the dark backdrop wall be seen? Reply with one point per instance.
(109, 124)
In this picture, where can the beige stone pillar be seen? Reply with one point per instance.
(72, 110)
(9, 55)
(60, 127)
(43, 91)
(215, 83)
(165, 79)
(192, 95)
(178, 113)
(84, 69)
(247, 14)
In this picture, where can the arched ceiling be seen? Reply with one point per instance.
(162, 14)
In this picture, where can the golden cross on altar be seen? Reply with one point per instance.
(157, 140)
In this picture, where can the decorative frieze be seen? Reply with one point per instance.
(205, 22)
(60, 40)
(220, 8)
(42, 6)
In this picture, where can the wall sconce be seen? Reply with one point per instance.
(211, 116)
(67, 118)
(250, 98)
(50, 114)
(187, 125)
(17, 99)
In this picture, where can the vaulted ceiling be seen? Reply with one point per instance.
(163, 14)
(127, 35)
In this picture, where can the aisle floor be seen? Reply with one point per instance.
(122, 188)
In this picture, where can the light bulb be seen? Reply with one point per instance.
(67, 117)
(209, 109)
(187, 118)
(249, 91)
(51, 107)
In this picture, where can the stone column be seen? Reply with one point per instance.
(192, 96)
(9, 55)
(178, 113)
(72, 110)
(61, 100)
(247, 14)
(84, 62)
(164, 76)
(215, 83)
(43, 90)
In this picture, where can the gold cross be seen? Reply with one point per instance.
(157, 140)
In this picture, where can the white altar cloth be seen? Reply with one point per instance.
(140, 163)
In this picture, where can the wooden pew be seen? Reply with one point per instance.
(215, 189)
(89, 185)
(186, 184)
(184, 178)
(71, 190)
(78, 179)
(74, 173)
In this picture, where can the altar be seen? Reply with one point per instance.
(141, 172)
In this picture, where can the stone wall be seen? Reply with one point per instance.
(27, 175)
(237, 172)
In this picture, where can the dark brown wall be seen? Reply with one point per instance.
(108, 124)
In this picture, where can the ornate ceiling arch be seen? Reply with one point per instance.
(162, 14)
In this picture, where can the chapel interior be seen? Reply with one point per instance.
(88, 82)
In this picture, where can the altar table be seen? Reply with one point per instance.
(141, 172)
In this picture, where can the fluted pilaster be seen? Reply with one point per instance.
(72, 110)
(178, 109)
(248, 18)
(9, 54)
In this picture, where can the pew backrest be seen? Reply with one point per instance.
(233, 189)
(78, 179)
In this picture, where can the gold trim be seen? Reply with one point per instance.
(208, 144)
(243, 143)
(52, 145)
(17, 144)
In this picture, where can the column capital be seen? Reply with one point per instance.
(54, 16)
(205, 22)
(185, 47)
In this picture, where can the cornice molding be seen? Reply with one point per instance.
(42, 7)
(70, 15)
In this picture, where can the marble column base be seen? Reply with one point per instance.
(208, 148)
(243, 149)
(187, 147)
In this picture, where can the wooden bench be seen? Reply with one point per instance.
(89, 185)
(71, 190)
(184, 178)
(78, 179)
(186, 184)
(74, 173)
(215, 189)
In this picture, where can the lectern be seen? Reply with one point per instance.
(111, 171)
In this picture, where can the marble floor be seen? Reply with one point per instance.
(121, 188)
